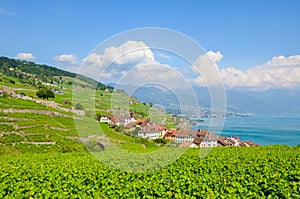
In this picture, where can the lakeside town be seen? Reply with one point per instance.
(184, 137)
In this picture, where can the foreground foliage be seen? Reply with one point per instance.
(259, 172)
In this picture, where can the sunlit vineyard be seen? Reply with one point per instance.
(259, 172)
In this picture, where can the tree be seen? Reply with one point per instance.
(98, 116)
(41, 93)
(45, 93)
(50, 94)
(160, 141)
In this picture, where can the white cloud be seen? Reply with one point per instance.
(131, 52)
(280, 72)
(66, 59)
(206, 66)
(25, 56)
(214, 56)
(115, 61)
(132, 62)
(137, 59)
(284, 61)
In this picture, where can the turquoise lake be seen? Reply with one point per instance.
(261, 130)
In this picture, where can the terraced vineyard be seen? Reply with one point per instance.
(29, 124)
(260, 172)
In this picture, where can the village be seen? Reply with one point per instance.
(183, 137)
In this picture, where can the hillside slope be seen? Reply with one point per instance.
(30, 124)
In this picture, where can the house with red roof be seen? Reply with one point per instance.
(185, 135)
(170, 134)
(152, 131)
(200, 138)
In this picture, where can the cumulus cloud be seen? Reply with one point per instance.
(284, 61)
(133, 62)
(25, 56)
(214, 56)
(277, 73)
(206, 66)
(66, 59)
(115, 61)
(131, 52)
(280, 72)
(137, 59)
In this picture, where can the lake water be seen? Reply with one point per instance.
(261, 130)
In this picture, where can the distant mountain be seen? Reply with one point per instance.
(271, 102)
(157, 96)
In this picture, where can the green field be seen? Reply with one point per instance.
(259, 172)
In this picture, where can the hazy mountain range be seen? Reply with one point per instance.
(270, 102)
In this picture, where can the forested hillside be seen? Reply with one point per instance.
(34, 74)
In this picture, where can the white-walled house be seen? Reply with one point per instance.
(235, 140)
(185, 135)
(149, 135)
(198, 138)
(152, 131)
(209, 143)
(193, 145)
(105, 119)
(129, 120)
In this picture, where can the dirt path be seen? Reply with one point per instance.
(46, 112)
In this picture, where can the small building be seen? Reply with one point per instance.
(131, 125)
(185, 135)
(109, 119)
(152, 131)
(105, 119)
(209, 143)
(204, 138)
(170, 134)
(193, 145)
(220, 142)
(129, 120)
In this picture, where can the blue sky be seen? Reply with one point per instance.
(247, 33)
